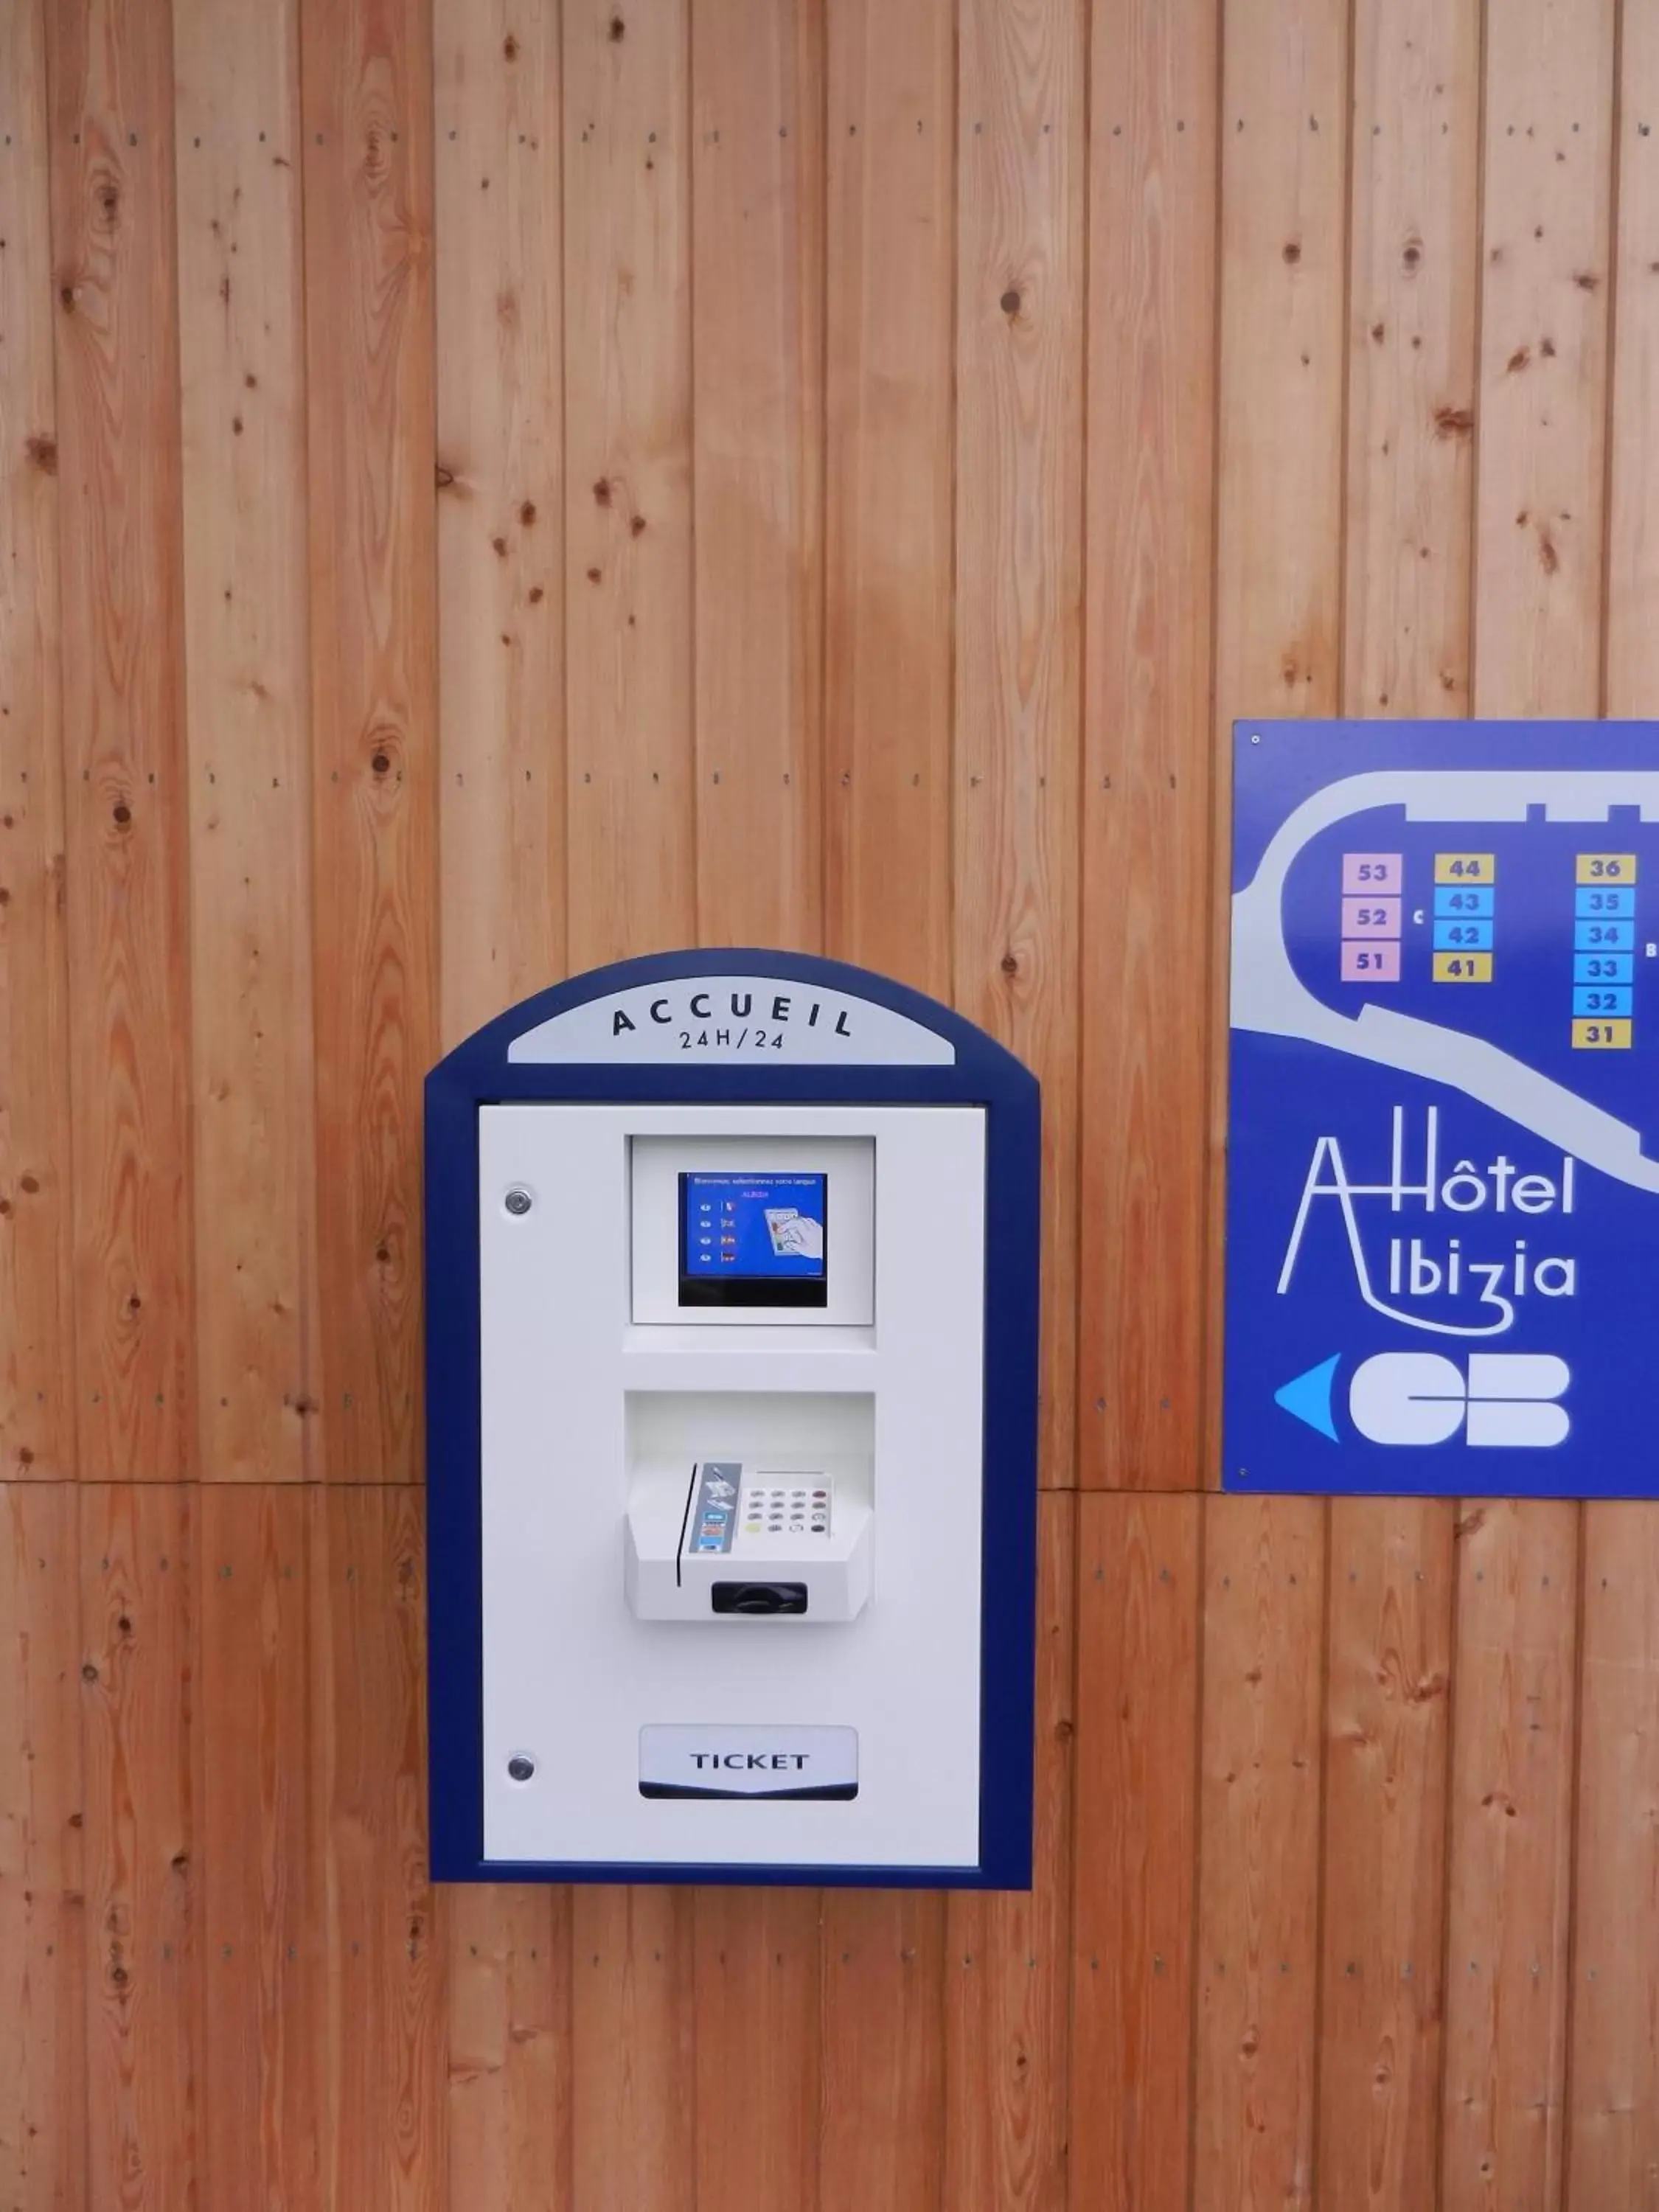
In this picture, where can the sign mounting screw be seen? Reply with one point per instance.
(520, 1768)
(518, 1200)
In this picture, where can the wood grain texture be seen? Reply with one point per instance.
(142, 1750)
(889, 138)
(262, 1894)
(1541, 406)
(1139, 1590)
(890, 96)
(631, 854)
(757, 441)
(42, 2079)
(379, 2030)
(117, 361)
(634, 2063)
(501, 354)
(1612, 2146)
(1510, 1873)
(1008, 1956)
(1413, 256)
(880, 2124)
(1387, 1748)
(1258, 1935)
(37, 1341)
(510, 2048)
(242, 343)
(366, 109)
(1279, 407)
(1612, 2068)
(1147, 784)
(757, 277)
(1545, 258)
(1412, 291)
(500, 538)
(1021, 178)
(1631, 676)
(756, 1969)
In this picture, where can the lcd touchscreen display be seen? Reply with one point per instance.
(753, 1240)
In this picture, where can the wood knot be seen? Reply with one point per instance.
(602, 492)
(510, 47)
(122, 814)
(1010, 302)
(1292, 252)
(43, 453)
(527, 513)
(380, 763)
(1009, 965)
(619, 29)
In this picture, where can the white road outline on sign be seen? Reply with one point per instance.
(1269, 997)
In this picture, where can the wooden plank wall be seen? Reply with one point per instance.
(487, 487)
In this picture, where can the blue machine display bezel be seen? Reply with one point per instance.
(478, 1073)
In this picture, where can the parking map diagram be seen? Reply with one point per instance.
(1443, 1171)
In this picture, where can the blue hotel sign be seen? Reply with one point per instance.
(1442, 1212)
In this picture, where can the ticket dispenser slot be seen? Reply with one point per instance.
(731, 1381)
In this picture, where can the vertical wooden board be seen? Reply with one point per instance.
(501, 538)
(631, 849)
(502, 615)
(241, 344)
(1279, 407)
(889, 142)
(1008, 1954)
(1139, 1591)
(262, 1898)
(1544, 256)
(1632, 580)
(509, 2048)
(881, 2132)
(380, 2037)
(757, 433)
(366, 109)
(1545, 259)
(634, 2059)
(1020, 161)
(1412, 292)
(1146, 783)
(1414, 248)
(757, 2072)
(1613, 2151)
(757, 286)
(113, 241)
(139, 1630)
(37, 1351)
(1511, 1785)
(1388, 1742)
(43, 2089)
(889, 272)
(1258, 1936)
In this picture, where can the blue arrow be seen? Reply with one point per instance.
(1308, 1396)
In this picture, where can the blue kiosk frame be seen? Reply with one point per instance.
(479, 1072)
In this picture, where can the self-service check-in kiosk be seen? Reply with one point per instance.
(732, 1374)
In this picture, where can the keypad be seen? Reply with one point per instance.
(782, 1506)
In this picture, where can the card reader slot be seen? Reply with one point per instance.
(759, 1598)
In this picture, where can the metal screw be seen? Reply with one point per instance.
(520, 1768)
(518, 1200)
